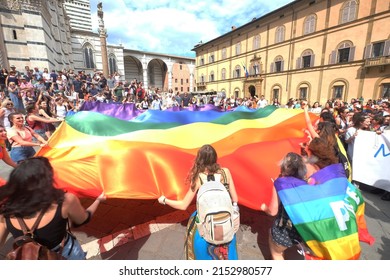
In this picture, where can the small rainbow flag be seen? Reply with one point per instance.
(328, 215)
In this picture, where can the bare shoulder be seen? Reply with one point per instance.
(69, 199)
(226, 170)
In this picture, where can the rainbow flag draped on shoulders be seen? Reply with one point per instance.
(328, 213)
(151, 154)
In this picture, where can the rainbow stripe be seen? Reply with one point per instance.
(151, 154)
(328, 215)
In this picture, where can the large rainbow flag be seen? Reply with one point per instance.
(151, 154)
(328, 215)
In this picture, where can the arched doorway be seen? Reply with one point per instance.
(157, 71)
(252, 91)
(133, 69)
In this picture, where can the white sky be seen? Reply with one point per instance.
(175, 27)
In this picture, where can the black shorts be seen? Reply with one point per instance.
(284, 233)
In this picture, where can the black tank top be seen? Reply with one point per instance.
(50, 235)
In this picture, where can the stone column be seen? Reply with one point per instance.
(191, 67)
(103, 41)
(170, 68)
(144, 69)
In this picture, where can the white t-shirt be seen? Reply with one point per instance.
(262, 103)
(61, 111)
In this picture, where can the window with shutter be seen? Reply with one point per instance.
(223, 74)
(386, 51)
(237, 72)
(280, 33)
(275, 93)
(303, 93)
(332, 57)
(338, 92)
(386, 91)
(299, 62)
(306, 61)
(351, 56)
(367, 51)
(256, 42)
(211, 59)
(278, 66)
(310, 24)
(344, 55)
(349, 11)
(238, 48)
(223, 53)
(378, 49)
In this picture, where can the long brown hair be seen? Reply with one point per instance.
(323, 152)
(327, 131)
(205, 159)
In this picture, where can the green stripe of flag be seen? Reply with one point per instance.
(326, 230)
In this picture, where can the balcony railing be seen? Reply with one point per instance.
(377, 61)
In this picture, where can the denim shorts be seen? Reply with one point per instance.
(72, 249)
(21, 153)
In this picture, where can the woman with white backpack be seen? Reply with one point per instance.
(213, 237)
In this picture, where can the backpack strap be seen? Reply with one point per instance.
(24, 227)
(211, 177)
(225, 181)
(203, 178)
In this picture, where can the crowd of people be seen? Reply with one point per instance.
(34, 103)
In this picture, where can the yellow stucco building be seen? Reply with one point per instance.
(309, 49)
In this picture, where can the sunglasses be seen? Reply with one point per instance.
(10, 104)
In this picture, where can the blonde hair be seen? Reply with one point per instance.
(5, 102)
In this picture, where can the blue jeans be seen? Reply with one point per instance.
(21, 153)
(72, 249)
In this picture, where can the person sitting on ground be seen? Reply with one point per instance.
(30, 191)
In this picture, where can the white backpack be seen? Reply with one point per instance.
(217, 220)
